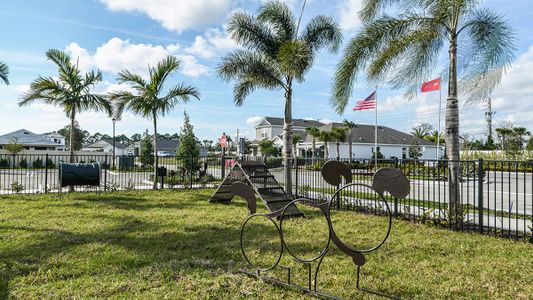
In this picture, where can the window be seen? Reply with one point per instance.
(264, 133)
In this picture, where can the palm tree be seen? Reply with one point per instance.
(339, 135)
(296, 139)
(402, 50)
(314, 132)
(70, 91)
(326, 137)
(349, 125)
(276, 57)
(149, 100)
(4, 71)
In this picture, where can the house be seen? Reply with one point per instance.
(271, 128)
(33, 141)
(165, 147)
(391, 142)
(106, 145)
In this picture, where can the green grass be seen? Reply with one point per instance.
(176, 245)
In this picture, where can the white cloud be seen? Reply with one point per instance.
(213, 42)
(117, 54)
(349, 19)
(177, 15)
(252, 121)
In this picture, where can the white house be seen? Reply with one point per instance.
(106, 146)
(33, 141)
(391, 143)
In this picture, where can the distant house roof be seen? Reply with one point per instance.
(387, 136)
(295, 122)
(162, 145)
(28, 138)
(105, 143)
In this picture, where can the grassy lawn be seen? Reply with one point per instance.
(176, 245)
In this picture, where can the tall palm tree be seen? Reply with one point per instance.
(276, 57)
(339, 135)
(148, 100)
(326, 137)
(70, 91)
(314, 132)
(402, 50)
(4, 71)
(349, 125)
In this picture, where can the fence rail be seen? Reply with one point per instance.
(495, 197)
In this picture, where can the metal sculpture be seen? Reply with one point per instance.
(384, 180)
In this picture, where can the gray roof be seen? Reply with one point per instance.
(365, 134)
(107, 141)
(26, 137)
(167, 145)
(295, 122)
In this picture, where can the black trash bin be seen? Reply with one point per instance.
(79, 174)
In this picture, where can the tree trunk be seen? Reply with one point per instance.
(71, 144)
(287, 139)
(156, 160)
(338, 151)
(326, 152)
(350, 145)
(452, 137)
(314, 151)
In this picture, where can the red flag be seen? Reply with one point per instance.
(368, 103)
(430, 86)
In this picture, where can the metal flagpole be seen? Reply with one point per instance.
(376, 133)
(440, 111)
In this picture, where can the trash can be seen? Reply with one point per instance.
(79, 174)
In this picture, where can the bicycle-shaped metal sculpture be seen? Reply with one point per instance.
(384, 180)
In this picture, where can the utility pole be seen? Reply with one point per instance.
(488, 117)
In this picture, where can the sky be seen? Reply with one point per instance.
(112, 35)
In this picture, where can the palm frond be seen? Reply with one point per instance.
(278, 16)
(4, 71)
(295, 58)
(245, 30)
(161, 72)
(322, 31)
(61, 59)
(178, 94)
(248, 64)
(46, 89)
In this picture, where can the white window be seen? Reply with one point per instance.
(264, 133)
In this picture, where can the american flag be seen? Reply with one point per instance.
(368, 103)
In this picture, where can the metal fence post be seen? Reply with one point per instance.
(396, 199)
(480, 176)
(296, 177)
(223, 164)
(105, 173)
(46, 174)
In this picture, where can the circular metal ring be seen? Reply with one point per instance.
(326, 247)
(389, 215)
(280, 242)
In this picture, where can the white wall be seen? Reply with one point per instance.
(365, 150)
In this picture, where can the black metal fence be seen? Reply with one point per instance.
(495, 197)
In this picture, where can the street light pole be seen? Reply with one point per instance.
(114, 121)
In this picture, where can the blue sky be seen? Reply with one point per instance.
(116, 34)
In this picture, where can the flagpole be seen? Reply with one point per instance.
(440, 111)
(376, 135)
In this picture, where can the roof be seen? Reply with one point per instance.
(364, 134)
(26, 137)
(295, 122)
(162, 145)
(105, 142)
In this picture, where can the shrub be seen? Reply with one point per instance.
(50, 164)
(4, 163)
(38, 163)
(23, 163)
(16, 187)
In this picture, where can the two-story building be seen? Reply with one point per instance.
(392, 143)
(33, 141)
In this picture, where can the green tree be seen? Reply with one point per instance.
(14, 147)
(149, 100)
(188, 150)
(326, 137)
(422, 131)
(349, 125)
(267, 148)
(136, 137)
(529, 146)
(4, 71)
(314, 132)
(339, 136)
(296, 139)
(79, 136)
(146, 155)
(414, 150)
(276, 55)
(402, 50)
(70, 91)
